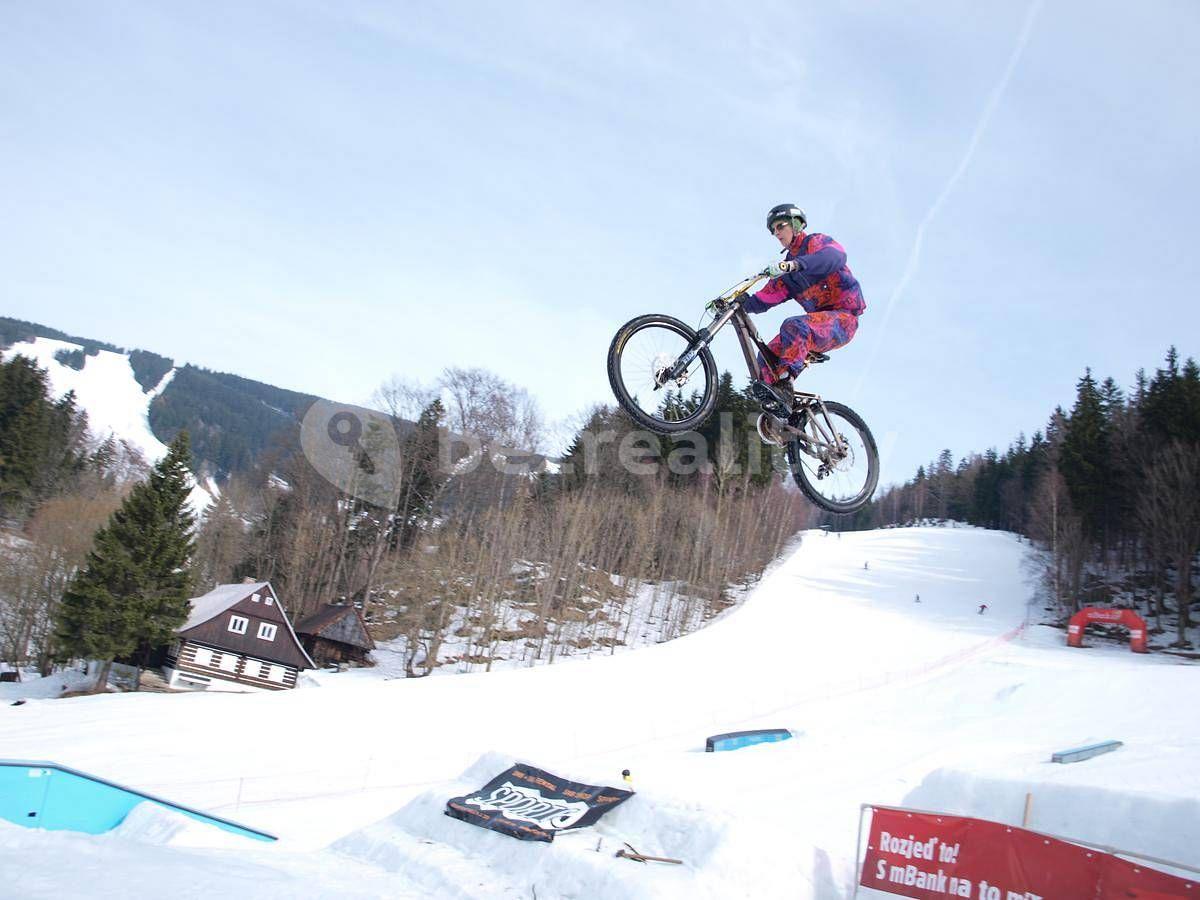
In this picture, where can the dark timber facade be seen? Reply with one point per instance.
(239, 634)
(336, 634)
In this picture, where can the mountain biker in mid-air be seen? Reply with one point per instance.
(814, 273)
(654, 358)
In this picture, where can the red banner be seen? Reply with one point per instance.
(932, 857)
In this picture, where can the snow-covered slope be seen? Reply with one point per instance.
(893, 701)
(106, 389)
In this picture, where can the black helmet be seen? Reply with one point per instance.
(787, 212)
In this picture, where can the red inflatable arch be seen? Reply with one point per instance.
(1127, 617)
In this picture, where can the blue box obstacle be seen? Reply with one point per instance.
(59, 798)
(1081, 753)
(735, 740)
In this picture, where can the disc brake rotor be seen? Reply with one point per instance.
(661, 365)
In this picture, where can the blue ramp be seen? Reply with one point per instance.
(735, 740)
(58, 798)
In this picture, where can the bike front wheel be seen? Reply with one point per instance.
(837, 481)
(640, 358)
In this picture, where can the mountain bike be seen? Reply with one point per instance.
(830, 451)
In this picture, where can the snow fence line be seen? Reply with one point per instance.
(252, 790)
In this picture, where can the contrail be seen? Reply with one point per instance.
(914, 257)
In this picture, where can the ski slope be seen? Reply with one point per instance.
(927, 704)
(116, 405)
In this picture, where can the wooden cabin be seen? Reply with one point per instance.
(336, 634)
(236, 633)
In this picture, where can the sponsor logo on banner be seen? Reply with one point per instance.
(526, 804)
(927, 856)
(534, 805)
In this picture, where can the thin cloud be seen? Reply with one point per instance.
(914, 257)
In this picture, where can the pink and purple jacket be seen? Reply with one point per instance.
(823, 284)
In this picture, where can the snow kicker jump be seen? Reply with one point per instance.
(534, 805)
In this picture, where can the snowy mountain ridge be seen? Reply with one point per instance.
(232, 420)
(107, 390)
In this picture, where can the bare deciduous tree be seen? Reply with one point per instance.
(482, 403)
(1169, 510)
(1053, 522)
(38, 566)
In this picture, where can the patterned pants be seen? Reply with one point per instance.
(801, 335)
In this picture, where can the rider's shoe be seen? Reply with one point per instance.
(784, 391)
(776, 398)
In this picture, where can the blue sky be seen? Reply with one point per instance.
(320, 195)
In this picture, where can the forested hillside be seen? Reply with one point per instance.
(492, 550)
(232, 420)
(1110, 488)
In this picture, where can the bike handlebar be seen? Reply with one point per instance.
(736, 293)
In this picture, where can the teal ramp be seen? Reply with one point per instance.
(58, 798)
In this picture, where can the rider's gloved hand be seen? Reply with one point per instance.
(784, 265)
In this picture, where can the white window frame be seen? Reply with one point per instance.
(254, 598)
(269, 600)
(276, 674)
(252, 668)
(266, 631)
(228, 662)
(202, 656)
(236, 621)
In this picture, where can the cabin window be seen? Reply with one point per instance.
(227, 662)
(237, 624)
(203, 656)
(269, 600)
(276, 674)
(254, 598)
(251, 668)
(266, 631)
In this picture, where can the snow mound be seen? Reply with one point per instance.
(152, 823)
(1135, 821)
(456, 859)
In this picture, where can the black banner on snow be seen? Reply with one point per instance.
(534, 805)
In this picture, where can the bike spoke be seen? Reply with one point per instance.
(646, 354)
(840, 481)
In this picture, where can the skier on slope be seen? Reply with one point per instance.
(813, 273)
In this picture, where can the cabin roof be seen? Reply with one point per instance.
(325, 619)
(219, 599)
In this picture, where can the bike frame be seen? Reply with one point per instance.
(728, 308)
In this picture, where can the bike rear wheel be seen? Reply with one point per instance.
(839, 485)
(641, 354)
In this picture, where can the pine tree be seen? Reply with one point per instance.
(423, 478)
(1084, 458)
(1164, 412)
(1189, 425)
(41, 440)
(736, 455)
(133, 592)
